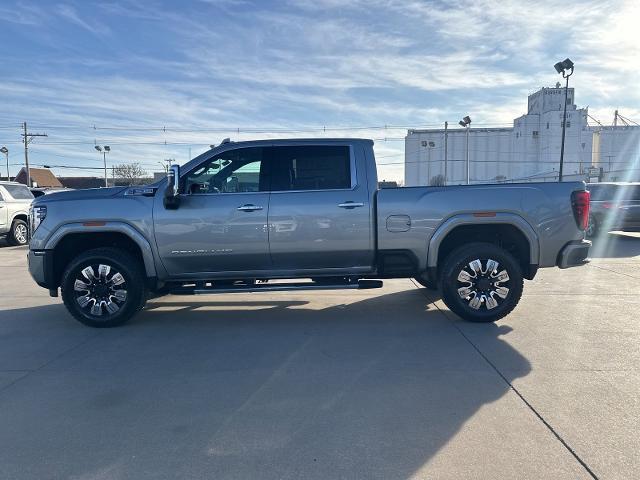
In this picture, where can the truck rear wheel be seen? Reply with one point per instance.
(481, 282)
(103, 287)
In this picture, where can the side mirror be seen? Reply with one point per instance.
(172, 192)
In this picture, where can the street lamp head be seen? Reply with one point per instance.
(4, 150)
(107, 148)
(98, 148)
(462, 124)
(563, 66)
(467, 120)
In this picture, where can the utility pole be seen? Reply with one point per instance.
(28, 137)
(446, 125)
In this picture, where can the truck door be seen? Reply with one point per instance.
(221, 223)
(320, 212)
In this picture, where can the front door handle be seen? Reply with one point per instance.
(351, 205)
(249, 207)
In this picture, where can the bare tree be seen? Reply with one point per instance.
(437, 181)
(130, 173)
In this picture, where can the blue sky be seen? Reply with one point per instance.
(288, 68)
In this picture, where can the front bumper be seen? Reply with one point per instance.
(574, 254)
(41, 268)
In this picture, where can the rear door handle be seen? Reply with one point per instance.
(249, 207)
(351, 204)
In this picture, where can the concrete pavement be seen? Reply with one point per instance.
(368, 384)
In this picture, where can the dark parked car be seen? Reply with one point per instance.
(614, 206)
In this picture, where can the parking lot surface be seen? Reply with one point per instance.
(340, 384)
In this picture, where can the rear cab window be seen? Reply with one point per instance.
(312, 167)
(19, 192)
(614, 193)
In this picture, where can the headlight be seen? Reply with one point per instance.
(36, 216)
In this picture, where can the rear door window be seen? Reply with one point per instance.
(313, 167)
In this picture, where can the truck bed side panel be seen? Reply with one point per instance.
(546, 207)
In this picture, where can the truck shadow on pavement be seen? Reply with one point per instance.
(372, 388)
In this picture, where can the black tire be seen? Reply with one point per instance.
(592, 227)
(104, 287)
(483, 284)
(426, 283)
(19, 233)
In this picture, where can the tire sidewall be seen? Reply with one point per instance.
(456, 262)
(120, 262)
(14, 239)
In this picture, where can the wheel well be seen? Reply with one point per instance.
(74, 244)
(20, 216)
(505, 236)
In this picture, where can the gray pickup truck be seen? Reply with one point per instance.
(245, 216)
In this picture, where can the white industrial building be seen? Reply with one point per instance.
(528, 151)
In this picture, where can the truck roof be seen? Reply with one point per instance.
(285, 141)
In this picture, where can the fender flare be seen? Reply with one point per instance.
(15, 214)
(119, 227)
(469, 219)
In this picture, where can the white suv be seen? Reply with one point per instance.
(15, 200)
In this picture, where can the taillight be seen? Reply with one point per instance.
(580, 205)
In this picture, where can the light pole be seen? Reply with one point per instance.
(104, 150)
(566, 69)
(446, 127)
(5, 150)
(465, 122)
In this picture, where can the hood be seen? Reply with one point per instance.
(87, 194)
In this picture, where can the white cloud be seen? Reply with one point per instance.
(70, 13)
(318, 62)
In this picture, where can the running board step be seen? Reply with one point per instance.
(281, 287)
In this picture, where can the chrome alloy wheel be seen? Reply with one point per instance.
(483, 286)
(20, 233)
(106, 290)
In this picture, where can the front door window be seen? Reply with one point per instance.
(236, 171)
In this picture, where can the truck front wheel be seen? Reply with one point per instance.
(19, 233)
(103, 287)
(481, 282)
